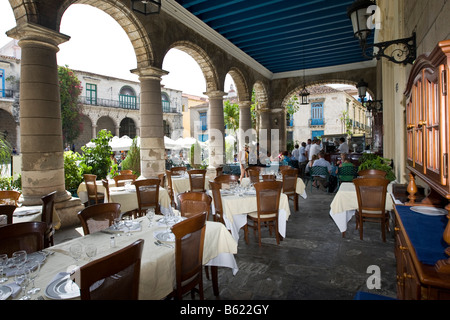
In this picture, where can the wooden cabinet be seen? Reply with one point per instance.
(427, 119)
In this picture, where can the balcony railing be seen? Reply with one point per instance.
(6, 93)
(109, 103)
(316, 122)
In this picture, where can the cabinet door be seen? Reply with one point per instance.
(444, 120)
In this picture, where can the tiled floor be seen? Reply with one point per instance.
(314, 262)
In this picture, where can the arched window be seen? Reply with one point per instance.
(165, 102)
(127, 128)
(166, 128)
(127, 98)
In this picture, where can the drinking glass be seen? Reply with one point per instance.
(91, 251)
(117, 224)
(128, 224)
(19, 258)
(22, 279)
(3, 263)
(34, 266)
(150, 215)
(76, 249)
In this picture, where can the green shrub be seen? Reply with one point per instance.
(133, 159)
(97, 160)
(373, 161)
(73, 174)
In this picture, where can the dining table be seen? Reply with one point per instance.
(237, 205)
(32, 213)
(300, 187)
(181, 183)
(157, 277)
(345, 203)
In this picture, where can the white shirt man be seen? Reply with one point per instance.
(343, 147)
(296, 153)
(315, 149)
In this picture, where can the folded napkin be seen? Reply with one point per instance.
(14, 287)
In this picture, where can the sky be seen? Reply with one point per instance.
(99, 45)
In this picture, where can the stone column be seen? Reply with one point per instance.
(264, 127)
(151, 128)
(117, 131)
(245, 124)
(40, 113)
(94, 131)
(216, 129)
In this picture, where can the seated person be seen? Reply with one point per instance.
(285, 159)
(345, 162)
(321, 181)
(310, 163)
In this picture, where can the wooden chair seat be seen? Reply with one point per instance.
(94, 197)
(290, 184)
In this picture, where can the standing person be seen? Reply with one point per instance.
(302, 160)
(295, 156)
(315, 148)
(243, 161)
(343, 146)
(307, 148)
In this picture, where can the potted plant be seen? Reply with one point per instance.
(373, 161)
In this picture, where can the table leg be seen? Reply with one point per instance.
(215, 280)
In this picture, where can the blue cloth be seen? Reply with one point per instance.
(425, 233)
(361, 295)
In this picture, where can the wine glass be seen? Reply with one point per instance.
(91, 251)
(76, 249)
(19, 258)
(34, 266)
(128, 224)
(3, 263)
(117, 224)
(22, 279)
(150, 215)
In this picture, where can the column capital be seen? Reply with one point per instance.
(245, 104)
(216, 94)
(31, 32)
(150, 72)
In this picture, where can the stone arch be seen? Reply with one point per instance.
(127, 90)
(123, 15)
(127, 127)
(242, 90)
(9, 129)
(106, 122)
(205, 62)
(25, 11)
(261, 97)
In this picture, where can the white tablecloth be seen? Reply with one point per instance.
(300, 188)
(345, 203)
(158, 262)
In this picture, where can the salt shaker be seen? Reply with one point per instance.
(112, 242)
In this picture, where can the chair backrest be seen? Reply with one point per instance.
(226, 179)
(106, 187)
(269, 177)
(289, 180)
(192, 203)
(372, 172)
(28, 236)
(91, 187)
(282, 168)
(319, 171)
(121, 178)
(48, 204)
(8, 211)
(219, 171)
(253, 174)
(120, 272)
(217, 197)
(98, 216)
(189, 239)
(268, 197)
(176, 171)
(147, 192)
(10, 197)
(197, 179)
(347, 173)
(162, 179)
(126, 171)
(371, 193)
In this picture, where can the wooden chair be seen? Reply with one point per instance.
(371, 193)
(121, 178)
(106, 187)
(219, 171)
(147, 191)
(28, 236)
(178, 171)
(8, 211)
(48, 204)
(94, 197)
(282, 168)
(194, 202)
(268, 201)
(126, 172)
(346, 174)
(226, 179)
(170, 188)
(9, 197)
(162, 179)
(217, 197)
(98, 216)
(120, 272)
(253, 174)
(369, 172)
(197, 180)
(189, 239)
(317, 171)
(269, 177)
(290, 185)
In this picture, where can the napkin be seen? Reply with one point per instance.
(3, 220)
(14, 287)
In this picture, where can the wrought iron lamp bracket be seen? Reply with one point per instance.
(404, 53)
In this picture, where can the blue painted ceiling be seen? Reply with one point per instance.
(284, 35)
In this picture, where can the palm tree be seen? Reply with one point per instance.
(5, 152)
(231, 115)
